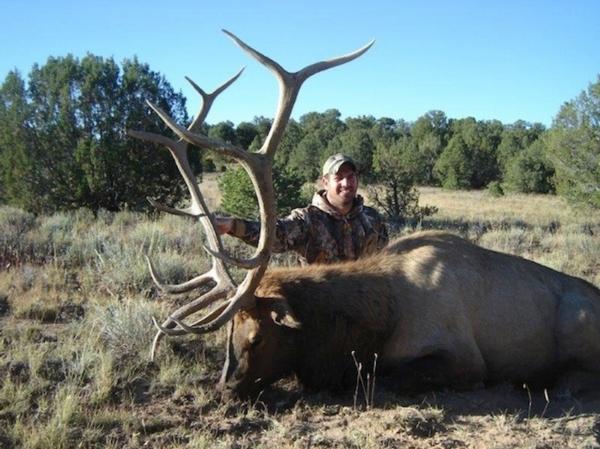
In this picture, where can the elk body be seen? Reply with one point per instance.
(433, 306)
(437, 310)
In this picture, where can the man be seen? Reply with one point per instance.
(336, 226)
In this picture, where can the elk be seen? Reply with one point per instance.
(437, 309)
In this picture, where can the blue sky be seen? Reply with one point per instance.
(504, 60)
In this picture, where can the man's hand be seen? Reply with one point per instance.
(223, 225)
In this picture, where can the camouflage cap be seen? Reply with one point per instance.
(333, 164)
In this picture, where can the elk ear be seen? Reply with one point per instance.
(283, 315)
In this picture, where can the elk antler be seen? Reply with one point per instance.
(259, 166)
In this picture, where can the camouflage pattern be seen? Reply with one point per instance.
(319, 234)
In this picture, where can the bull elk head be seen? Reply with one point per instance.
(226, 298)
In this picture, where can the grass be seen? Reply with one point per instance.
(539, 227)
(75, 333)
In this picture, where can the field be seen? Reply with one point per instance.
(76, 302)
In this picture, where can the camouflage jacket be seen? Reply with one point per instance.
(319, 234)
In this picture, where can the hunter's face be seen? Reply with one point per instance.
(341, 188)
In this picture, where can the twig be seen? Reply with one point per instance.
(547, 402)
(369, 388)
(526, 387)
(373, 383)
(357, 380)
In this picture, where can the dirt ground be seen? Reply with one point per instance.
(503, 416)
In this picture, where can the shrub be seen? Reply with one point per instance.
(495, 189)
(14, 224)
(125, 326)
(397, 196)
(530, 171)
(239, 197)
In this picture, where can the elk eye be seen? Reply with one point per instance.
(254, 339)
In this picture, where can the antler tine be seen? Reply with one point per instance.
(212, 237)
(179, 150)
(224, 311)
(197, 209)
(187, 212)
(196, 305)
(198, 139)
(253, 262)
(198, 281)
(208, 99)
(164, 330)
(265, 60)
(152, 137)
(194, 327)
(289, 86)
(317, 67)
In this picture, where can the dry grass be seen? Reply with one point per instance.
(75, 308)
(480, 206)
(543, 228)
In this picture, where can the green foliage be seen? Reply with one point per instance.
(16, 165)
(289, 190)
(291, 138)
(495, 189)
(239, 197)
(385, 130)
(245, 133)
(311, 152)
(516, 138)
(455, 168)
(530, 171)
(432, 123)
(431, 133)
(62, 141)
(357, 144)
(574, 148)
(395, 170)
(469, 160)
(262, 126)
(306, 159)
(223, 131)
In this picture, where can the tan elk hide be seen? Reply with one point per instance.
(437, 310)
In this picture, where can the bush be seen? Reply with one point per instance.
(76, 154)
(125, 327)
(239, 197)
(395, 172)
(495, 189)
(530, 171)
(14, 225)
(454, 168)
